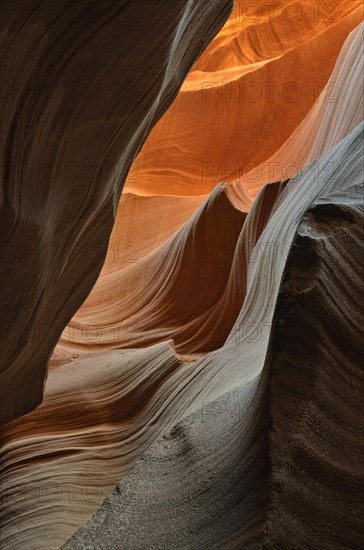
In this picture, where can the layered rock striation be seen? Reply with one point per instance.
(79, 101)
(214, 368)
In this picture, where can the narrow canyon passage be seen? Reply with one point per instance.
(181, 360)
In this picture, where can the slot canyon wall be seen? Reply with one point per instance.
(181, 362)
(73, 122)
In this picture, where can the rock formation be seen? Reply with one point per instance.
(78, 102)
(207, 392)
(269, 64)
(262, 461)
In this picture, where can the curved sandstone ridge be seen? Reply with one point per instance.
(217, 375)
(246, 95)
(338, 110)
(79, 101)
(189, 290)
(275, 461)
(144, 223)
(106, 408)
(156, 298)
(162, 296)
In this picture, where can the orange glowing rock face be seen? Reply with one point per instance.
(245, 95)
(248, 113)
(234, 120)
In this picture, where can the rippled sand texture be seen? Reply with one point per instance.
(214, 366)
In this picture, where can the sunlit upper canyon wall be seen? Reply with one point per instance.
(209, 362)
(245, 96)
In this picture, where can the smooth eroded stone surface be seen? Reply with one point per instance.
(270, 462)
(246, 95)
(84, 83)
(212, 379)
